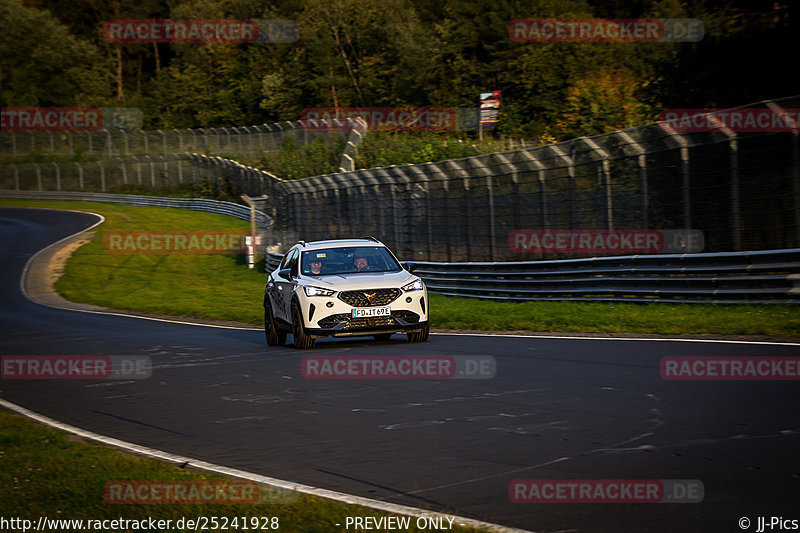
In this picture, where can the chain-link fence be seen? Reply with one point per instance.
(245, 142)
(741, 190)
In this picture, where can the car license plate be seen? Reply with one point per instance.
(361, 312)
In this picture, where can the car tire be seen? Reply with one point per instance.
(275, 336)
(383, 336)
(302, 340)
(419, 335)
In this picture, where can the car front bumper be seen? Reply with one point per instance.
(324, 316)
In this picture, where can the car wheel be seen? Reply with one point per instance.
(274, 335)
(301, 339)
(419, 335)
(383, 336)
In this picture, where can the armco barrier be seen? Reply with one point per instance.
(761, 277)
(195, 204)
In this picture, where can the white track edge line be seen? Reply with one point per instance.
(667, 339)
(58, 242)
(273, 482)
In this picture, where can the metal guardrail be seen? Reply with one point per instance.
(761, 277)
(195, 204)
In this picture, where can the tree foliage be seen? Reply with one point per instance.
(367, 53)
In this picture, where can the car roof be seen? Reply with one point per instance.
(338, 243)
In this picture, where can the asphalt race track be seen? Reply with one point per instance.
(556, 409)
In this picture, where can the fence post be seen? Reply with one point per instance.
(124, 171)
(736, 215)
(58, 177)
(570, 162)
(490, 193)
(381, 225)
(71, 146)
(305, 215)
(606, 171)
(152, 171)
(163, 141)
(109, 143)
(468, 201)
(338, 214)
(38, 177)
(679, 141)
(80, 176)
(16, 177)
(179, 160)
(795, 156)
(102, 176)
(542, 191)
(446, 185)
(687, 206)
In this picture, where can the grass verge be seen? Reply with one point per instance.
(45, 472)
(220, 287)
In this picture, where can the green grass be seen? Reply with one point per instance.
(45, 472)
(596, 317)
(222, 288)
(218, 287)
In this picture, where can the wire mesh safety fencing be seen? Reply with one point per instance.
(736, 190)
(243, 142)
(156, 173)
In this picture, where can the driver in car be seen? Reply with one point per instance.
(316, 266)
(360, 263)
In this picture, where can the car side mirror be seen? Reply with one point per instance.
(286, 274)
(411, 267)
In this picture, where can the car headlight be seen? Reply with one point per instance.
(414, 286)
(316, 291)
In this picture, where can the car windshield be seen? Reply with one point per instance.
(349, 260)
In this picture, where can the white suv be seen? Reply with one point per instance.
(350, 287)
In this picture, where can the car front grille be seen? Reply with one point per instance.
(360, 299)
(349, 323)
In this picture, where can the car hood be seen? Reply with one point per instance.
(362, 280)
